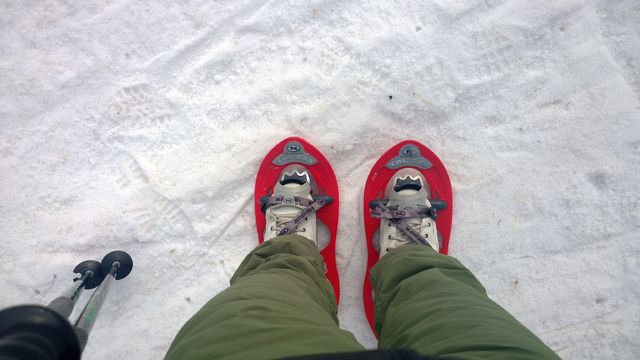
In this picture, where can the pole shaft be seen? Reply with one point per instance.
(90, 312)
(64, 303)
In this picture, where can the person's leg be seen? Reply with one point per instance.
(433, 304)
(279, 304)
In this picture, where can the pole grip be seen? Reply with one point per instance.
(35, 332)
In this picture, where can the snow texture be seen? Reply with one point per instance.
(139, 125)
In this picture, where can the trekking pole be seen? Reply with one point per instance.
(43, 332)
(116, 265)
(90, 277)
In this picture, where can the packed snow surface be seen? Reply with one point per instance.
(140, 125)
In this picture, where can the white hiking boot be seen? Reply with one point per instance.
(407, 190)
(294, 183)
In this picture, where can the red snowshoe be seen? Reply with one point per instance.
(414, 155)
(291, 163)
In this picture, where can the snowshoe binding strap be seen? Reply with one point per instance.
(268, 201)
(397, 218)
(311, 206)
(383, 212)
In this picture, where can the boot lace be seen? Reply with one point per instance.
(415, 224)
(282, 219)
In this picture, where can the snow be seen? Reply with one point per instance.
(139, 125)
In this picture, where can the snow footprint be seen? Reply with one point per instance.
(141, 119)
(163, 220)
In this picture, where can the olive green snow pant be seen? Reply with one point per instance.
(280, 304)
